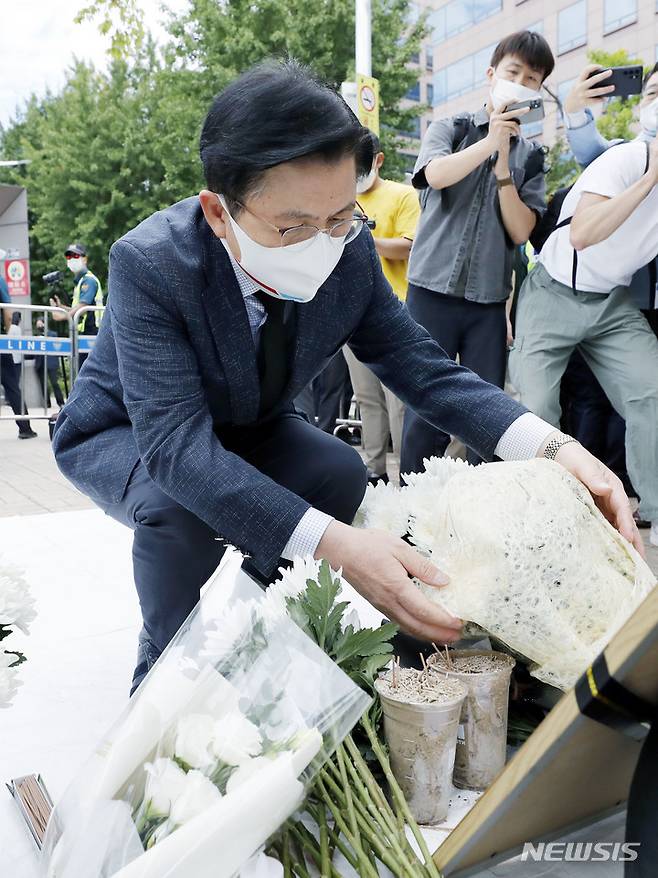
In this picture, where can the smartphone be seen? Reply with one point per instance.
(535, 112)
(626, 80)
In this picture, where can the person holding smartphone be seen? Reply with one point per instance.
(591, 88)
(482, 190)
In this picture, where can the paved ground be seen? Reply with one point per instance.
(30, 482)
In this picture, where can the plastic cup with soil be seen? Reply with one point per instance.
(421, 715)
(482, 737)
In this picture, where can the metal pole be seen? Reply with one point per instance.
(363, 43)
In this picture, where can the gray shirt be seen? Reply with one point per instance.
(461, 246)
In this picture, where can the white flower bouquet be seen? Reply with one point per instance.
(531, 559)
(16, 612)
(214, 751)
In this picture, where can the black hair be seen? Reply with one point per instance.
(649, 74)
(276, 112)
(530, 47)
(376, 145)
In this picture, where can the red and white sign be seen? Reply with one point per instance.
(17, 275)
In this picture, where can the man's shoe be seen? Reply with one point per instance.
(376, 479)
(27, 434)
(653, 536)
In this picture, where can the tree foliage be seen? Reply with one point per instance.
(114, 146)
(562, 168)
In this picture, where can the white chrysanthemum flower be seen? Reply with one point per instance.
(16, 603)
(385, 507)
(440, 469)
(231, 628)
(236, 739)
(165, 782)
(9, 681)
(198, 795)
(194, 735)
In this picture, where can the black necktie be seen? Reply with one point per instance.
(272, 352)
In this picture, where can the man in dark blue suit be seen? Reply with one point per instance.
(221, 309)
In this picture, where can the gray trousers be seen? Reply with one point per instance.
(619, 347)
(381, 413)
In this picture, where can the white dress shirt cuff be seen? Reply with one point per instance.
(577, 120)
(306, 536)
(523, 438)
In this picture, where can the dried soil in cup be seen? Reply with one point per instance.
(419, 687)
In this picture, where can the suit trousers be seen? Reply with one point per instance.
(382, 413)
(475, 332)
(616, 343)
(175, 552)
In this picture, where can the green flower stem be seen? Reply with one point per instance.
(366, 869)
(365, 820)
(377, 805)
(387, 826)
(399, 796)
(347, 793)
(325, 859)
(386, 854)
(309, 843)
(286, 854)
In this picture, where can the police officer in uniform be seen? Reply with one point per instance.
(87, 291)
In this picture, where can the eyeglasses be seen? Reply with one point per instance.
(72, 256)
(341, 232)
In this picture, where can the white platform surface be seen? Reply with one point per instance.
(81, 654)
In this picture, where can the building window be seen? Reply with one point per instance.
(572, 27)
(415, 58)
(618, 13)
(459, 15)
(462, 76)
(430, 94)
(429, 60)
(414, 92)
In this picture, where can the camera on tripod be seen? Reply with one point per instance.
(55, 282)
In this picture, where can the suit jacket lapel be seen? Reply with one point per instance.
(229, 324)
(316, 321)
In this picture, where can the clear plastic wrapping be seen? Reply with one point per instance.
(213, 752)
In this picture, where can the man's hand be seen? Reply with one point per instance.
(379, 565)
(503, 125)
(604, 486)
(588, 91)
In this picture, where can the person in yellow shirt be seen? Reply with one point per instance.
(395, 210)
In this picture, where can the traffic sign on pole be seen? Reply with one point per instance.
(367, 96)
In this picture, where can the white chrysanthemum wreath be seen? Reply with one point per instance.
(531, 560)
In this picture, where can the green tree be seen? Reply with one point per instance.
(617, 120)
(94, 170)
(113, 147)
(562, 168)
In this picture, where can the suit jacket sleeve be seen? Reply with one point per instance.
(172, 424)
(411, 364)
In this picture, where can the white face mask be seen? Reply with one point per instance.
(363, 184)
(295, 272)
(75, 265)
(505, 92)
(649, 118)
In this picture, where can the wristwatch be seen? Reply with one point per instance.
(506, 181)
(554, 445)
